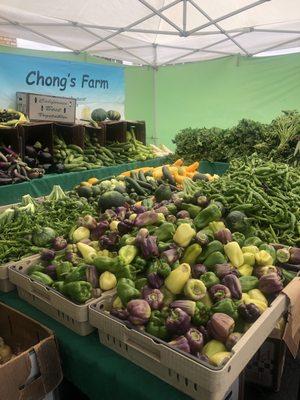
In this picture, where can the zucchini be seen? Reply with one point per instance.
(135, 186)
(142, 176)
(145, 185)
(167, 175)
(75, 148)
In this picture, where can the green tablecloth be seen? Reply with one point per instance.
(40, 187)
(96, 370)
(208, 167)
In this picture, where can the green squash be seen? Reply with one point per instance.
(99, 115)
(113, 115)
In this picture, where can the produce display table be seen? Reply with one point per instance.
(208, 167)
(96, 370)
(40, 187)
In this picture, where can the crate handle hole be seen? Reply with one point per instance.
(178, 377)
(229, 368)
(186, 381)
(195, 387)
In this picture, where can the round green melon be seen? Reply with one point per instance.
(99, 115)
(113, 115)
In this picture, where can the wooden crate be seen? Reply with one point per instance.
(37, 132)
(11, 137)
(99, 132)
(116, 130)
(71, 134)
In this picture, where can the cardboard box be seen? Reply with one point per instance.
(36, 369)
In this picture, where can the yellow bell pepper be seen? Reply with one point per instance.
(220, 358)
(245, 270)
(263, 258)
(93, 181)
(258, 295)
(107, 281)
(206, 300)
(234, 253)
(259, 304)
(88, 252)
(184, 234)
(117, 303)
(249, 258)
(113, 226)
(250, 249)
(213, 347)
(245, 298)
(177, 279)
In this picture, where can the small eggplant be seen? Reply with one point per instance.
(181, 343)
(195, 339)
(178, 322)
(51, 271)
(120, 313)
(154, 297)
(59, 243)
(139, 311)
(47, 255)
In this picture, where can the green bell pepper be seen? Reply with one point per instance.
(191, 253)
(172, 208)
(201, 315)
(207, 215)
(248, 283)
(165, 232)
(111, 264)
(59, 286)
(78, 291)
(42, 278)
(253, 241)
(209, 279)
(192, 209)
(162, 246)
(216, 226)
(214, 258)
(139, 264)
(212, 247)
(140, 283)
(238, 237)
(226, 306)
(208, 232)
(288, 276)
(34, 268)
(76, 274)
(127, 239)
(163, 269)
(156, 325)
(63, 269)
(127, 291)
(269, 249)
(128, 253)
(127, 271)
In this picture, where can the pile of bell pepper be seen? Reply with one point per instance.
(178, 272)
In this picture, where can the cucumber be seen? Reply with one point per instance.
(145, 185)
(76, 148)
(135, 186)
(69, 167)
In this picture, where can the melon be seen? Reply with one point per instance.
(99, 115)
(113, 115)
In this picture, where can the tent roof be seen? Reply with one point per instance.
(156, 32)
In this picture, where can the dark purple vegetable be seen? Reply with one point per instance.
(92, 275)
(125, 226)
(108, 215)
(109, 241)
(31, 162)
(232, 340)
(47, 255)
(181, 343)
(121, 213)
(154, 297)
(198, 270)
(51, 271)
(224, 236)
(138, 209)
(219, 292)
(120, 313)
(171, 218)
(171, 255)
(162, 210)
(148, 247)
(30, 151)
(202, 358)
(155, 280)
(59, 243)
(206, 335)
(139, 311)
(249, 312)
(270, 283)
(141, 235)
(234, 285)
(147, 218)
(88, 222)
(178, 322)
(222, 270)
(160, 204)
(202, 201)
(100, 229)
(220, 326)
(44, 157)
(183, 214)
(265, 270)
(188, 306)
(195, 339)
(294, 255)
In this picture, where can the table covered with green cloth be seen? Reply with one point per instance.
(96, 370)
(40, 187)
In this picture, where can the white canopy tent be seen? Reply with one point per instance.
(156, 32)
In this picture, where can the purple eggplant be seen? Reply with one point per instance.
(99, 230)
(178, 322)
(139, 311)
(47, 255)
(195, 339)
(120, 313)
(59, 243)
(181, 343)
(154, 297)
(155, 280)
(51, 271)
(198, 270)
(188, 306)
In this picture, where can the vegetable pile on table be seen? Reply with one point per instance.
(14, 170)
(266, 192)
(37, 156)
(179, 272)
(11, 118)
(32, 225)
